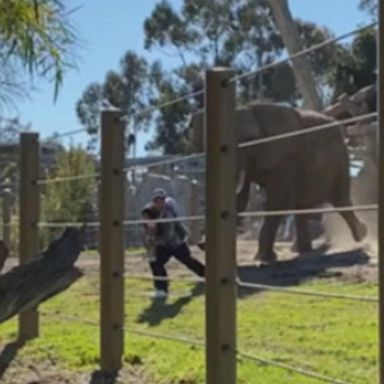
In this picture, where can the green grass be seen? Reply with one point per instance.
(332, 337)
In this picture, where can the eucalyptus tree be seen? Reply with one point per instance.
(36, 38)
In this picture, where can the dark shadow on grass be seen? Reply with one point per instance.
(300, 269)
(288, 273)
(8, 354)
(161, 309)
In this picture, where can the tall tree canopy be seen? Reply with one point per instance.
(125, 89)
(370, 6)
(354, 65)
(69, 201)
(240, 34)
(171, 133)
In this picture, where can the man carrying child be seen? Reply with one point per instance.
(166, 239)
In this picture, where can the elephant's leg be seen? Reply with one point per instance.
(342, 199)
(357, 227)
(303, 242)
(278, 196)
(267, 239)
(288, 228)
(242, 197)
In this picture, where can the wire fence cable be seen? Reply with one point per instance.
(264, 140)
(165, 104)
(62, 179)
(368, 207)
(201, 344)
(307, 131)
(287, 367)
(265, 287)
(256, 71)
(164, 162)
(303, 292)
(302, 53)
(200, 155)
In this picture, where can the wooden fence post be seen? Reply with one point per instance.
(29, 209)
(7, 202)
(221, 215)
(111, 241)
(381, 186)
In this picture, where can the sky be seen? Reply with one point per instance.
(107, 29)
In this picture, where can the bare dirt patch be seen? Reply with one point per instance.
(14, 370)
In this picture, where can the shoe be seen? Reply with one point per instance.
(159, 294)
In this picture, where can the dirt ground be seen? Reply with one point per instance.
(23, 373)
(343, 262)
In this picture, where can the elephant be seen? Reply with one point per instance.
(299, 172)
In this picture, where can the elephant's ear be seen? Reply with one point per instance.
(270, 120)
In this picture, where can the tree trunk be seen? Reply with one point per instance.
(28, 285)
(301, 66)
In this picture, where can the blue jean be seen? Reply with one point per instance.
(182, 254)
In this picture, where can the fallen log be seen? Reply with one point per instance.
(28, 285)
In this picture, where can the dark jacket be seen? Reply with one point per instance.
(168, 234)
